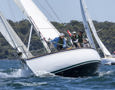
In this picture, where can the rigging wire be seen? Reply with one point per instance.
(53, 11)
(45, 10)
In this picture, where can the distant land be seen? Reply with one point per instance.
(106, 34)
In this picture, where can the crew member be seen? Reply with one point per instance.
(86, 43)
(74, 39)
(59, 42)
(80, 39)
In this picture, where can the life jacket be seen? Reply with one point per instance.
(60, 41)
(74, 38)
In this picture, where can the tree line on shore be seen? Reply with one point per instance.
(106, 32)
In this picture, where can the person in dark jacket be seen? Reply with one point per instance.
(80, 39)
(74, 39)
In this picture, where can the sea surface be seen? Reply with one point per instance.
(14, 77)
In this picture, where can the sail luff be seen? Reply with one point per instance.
(103, 48)
(86, 26)
(12, 38)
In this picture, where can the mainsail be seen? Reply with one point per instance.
(86, 26)
(101, 45)
(12, 38)
(38, 19)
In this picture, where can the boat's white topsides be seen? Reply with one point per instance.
(61, 60)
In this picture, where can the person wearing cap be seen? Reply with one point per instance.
(59, 42)
(74, 38)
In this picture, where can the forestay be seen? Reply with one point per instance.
(37, 18)
(103, 48)
(86, 26)
(12, 38)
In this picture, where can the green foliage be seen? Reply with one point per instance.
(107, 35)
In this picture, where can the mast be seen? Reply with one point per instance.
(86, 26)
(42, 26)
(101, 45)
(13, 39)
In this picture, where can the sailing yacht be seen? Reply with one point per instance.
(68, 63)
(108, 58)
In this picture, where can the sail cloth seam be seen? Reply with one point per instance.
(32, 22)
(47, 21)
(36, 27)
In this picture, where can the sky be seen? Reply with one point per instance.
(66, 10)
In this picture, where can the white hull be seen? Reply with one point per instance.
(61, 60)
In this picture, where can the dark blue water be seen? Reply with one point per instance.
(14, 77)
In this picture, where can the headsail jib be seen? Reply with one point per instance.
(13, 39)
(90, 22)
(87, 28)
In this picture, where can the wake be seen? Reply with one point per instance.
(23, 72)
(16, 73)
(107, 73)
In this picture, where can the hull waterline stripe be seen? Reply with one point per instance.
(67, 68)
